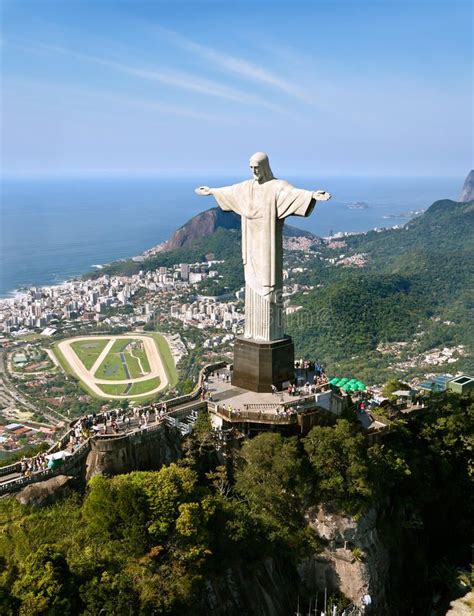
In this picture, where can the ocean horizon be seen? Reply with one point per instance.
(55, 229)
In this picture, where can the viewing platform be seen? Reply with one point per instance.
(253, 412)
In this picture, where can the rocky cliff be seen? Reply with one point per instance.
(467, 193)
(148, 450)
(47, 492)
(268, 588)
(201, 225)
(354, 559)
(353, 562)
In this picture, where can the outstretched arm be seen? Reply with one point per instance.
(229, 198)
(297, 201)
(203, 191)
(318, 195)
(321, 195)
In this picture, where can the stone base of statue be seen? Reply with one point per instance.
(259, 365)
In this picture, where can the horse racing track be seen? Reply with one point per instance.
(118, 367)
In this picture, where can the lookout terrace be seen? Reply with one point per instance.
(292, 410)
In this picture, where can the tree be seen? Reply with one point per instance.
(272, 481)
(116, 510)
(339, 460)
(45, 584)
(393, 385)
(220, 480)
(110, 593)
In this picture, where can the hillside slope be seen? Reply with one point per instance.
(413, 296)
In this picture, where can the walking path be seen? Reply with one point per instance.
(102, 356)
(139, 363)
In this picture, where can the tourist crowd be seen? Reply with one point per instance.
(110, 422)
(38, 463)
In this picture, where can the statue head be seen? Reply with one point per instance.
(260, 166)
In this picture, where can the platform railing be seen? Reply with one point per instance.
(284, 417)
(172, 403)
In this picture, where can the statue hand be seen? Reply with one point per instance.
(204, 191)
(321, 195)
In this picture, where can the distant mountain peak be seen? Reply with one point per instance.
(467, 193)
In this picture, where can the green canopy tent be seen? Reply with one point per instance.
(54, 464)
(56, 459)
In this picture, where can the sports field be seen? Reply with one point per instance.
(89, 350)
(126, 359)
(126, 366)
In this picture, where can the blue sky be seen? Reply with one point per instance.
(343, 87)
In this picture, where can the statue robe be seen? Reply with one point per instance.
(263, 208)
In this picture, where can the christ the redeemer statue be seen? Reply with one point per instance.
(263, 203)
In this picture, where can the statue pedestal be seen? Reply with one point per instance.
(259, 365)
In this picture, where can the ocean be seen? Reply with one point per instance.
(54, 229)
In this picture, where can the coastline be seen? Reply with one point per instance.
(63, 229)
(18, 293)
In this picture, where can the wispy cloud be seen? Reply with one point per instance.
(178, 79)
(79, 96)
(239, 66)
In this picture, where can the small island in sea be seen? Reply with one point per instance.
(358, 205)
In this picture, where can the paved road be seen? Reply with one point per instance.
(12, 399)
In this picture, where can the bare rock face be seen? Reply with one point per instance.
(137, 451)
(463, 606)
(264, 589)
(467, 193)
(202, 225)
(45, 492)
(353, 560)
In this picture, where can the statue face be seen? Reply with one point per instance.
(260, 168)
(256, 171)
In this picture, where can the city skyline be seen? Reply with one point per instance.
(363, 88)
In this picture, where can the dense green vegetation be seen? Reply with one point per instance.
(417, 286)
(152, 542)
